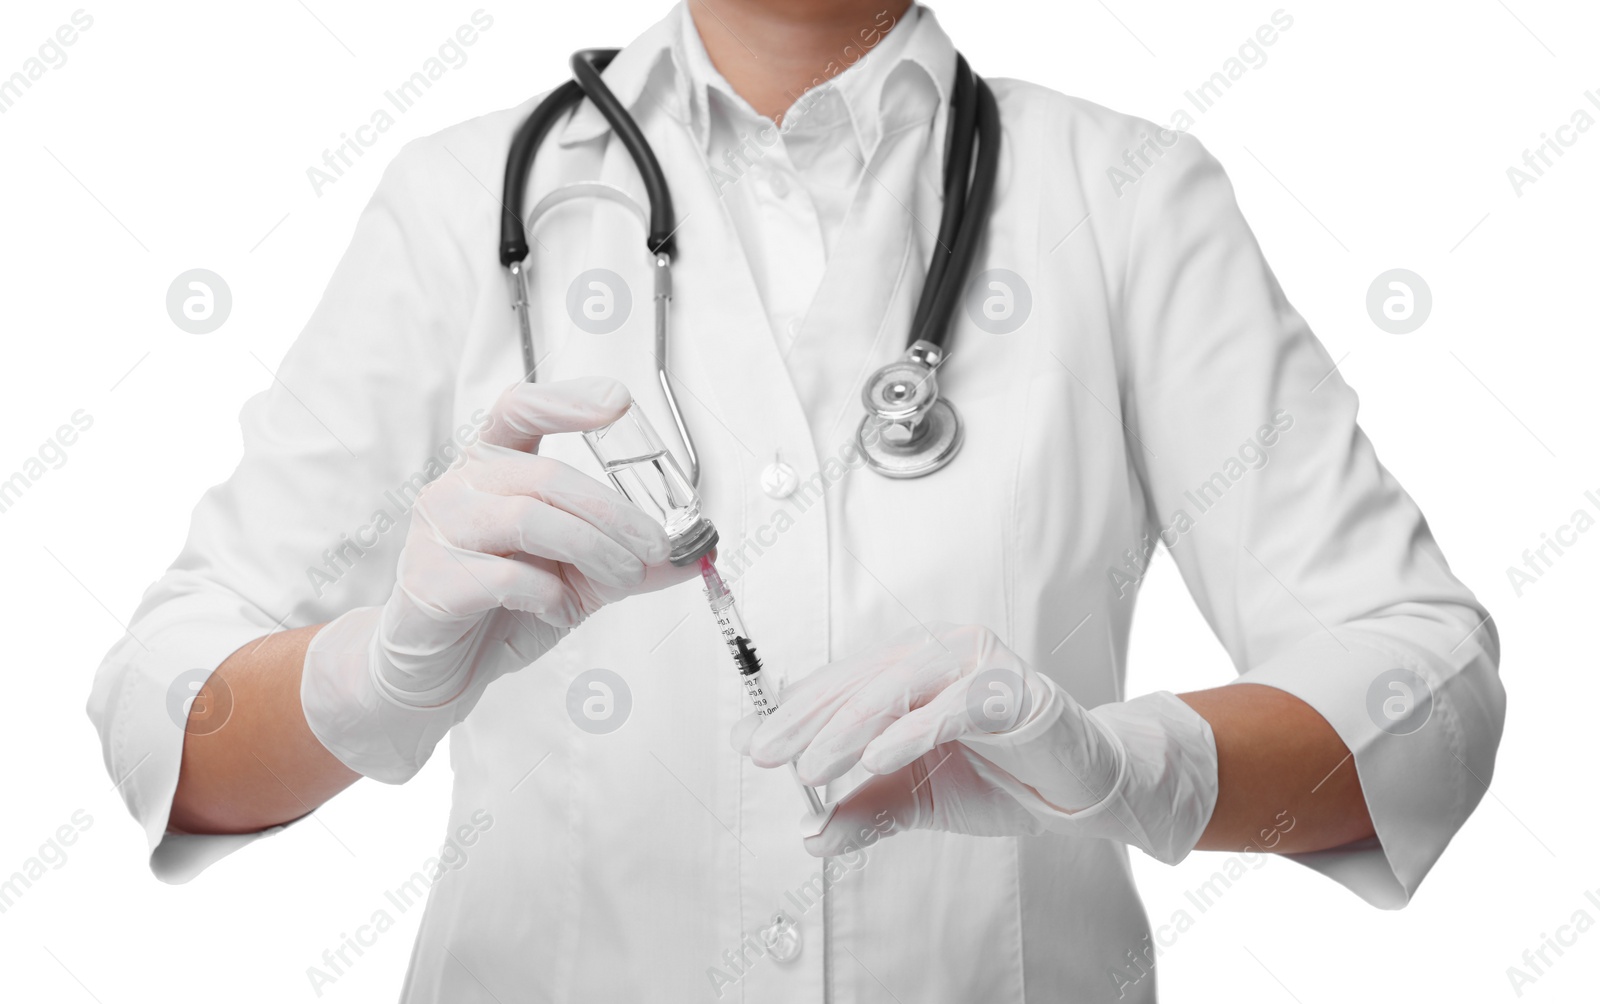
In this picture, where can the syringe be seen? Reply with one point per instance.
(737, 638)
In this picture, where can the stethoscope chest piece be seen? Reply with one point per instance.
(909, 430)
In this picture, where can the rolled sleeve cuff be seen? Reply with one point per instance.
(1419, 750)
(139, 707)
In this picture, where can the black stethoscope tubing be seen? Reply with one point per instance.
(968, 182)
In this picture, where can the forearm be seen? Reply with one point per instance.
(1286, 782)
(263, 766)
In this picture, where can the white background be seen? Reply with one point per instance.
(1377, 135)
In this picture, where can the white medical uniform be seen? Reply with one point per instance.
(1136, 340)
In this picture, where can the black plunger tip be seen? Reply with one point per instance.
(745, 655)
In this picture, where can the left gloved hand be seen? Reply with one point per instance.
(966, 737)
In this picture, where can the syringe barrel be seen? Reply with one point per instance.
(737, 638)
(755, 687)
(744, 655)
(729, 621)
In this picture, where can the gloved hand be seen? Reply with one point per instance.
(966, 737)
(505, 554)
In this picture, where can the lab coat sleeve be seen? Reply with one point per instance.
(1312, 565)
(360, 407)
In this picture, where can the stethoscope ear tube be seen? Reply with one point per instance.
(586, 67)
(513, 236)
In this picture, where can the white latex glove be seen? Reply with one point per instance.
(965, 737)
(505, 554)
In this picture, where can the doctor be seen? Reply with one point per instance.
(1129, 373)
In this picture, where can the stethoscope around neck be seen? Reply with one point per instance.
(909, 429)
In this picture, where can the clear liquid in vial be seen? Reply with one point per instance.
(656, 484)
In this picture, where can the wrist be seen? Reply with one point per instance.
(1167, 786)
(354, 720)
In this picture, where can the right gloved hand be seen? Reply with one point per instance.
(505, 554)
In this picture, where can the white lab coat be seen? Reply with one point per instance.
(633, 865)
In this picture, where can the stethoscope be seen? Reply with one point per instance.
(909, 430)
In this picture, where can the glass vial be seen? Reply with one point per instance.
(641, 468)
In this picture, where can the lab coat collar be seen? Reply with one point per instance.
(668, 63)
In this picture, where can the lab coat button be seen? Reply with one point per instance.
(779, 480)
(782, 938)
(779, 184)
